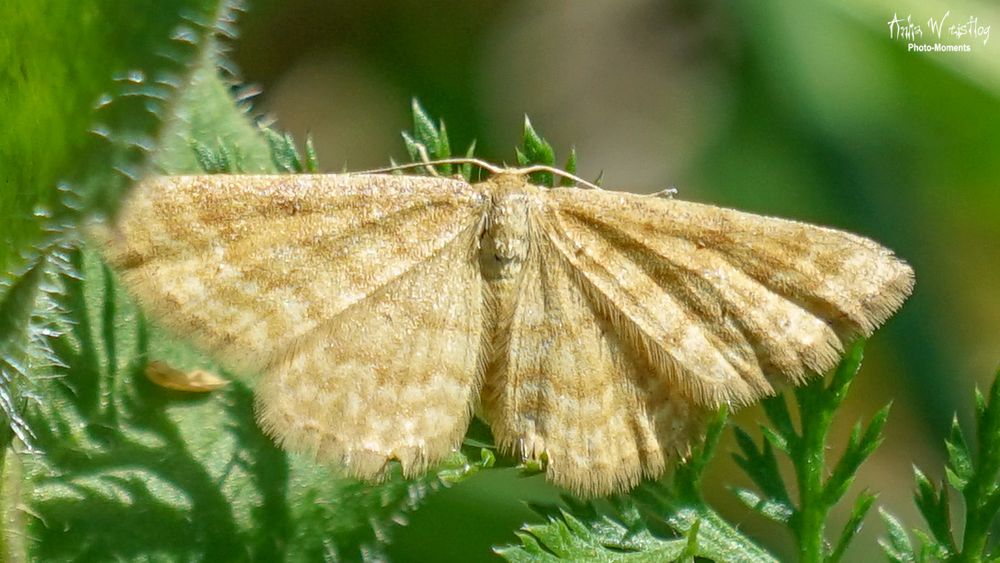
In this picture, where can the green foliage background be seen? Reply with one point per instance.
(105, 465)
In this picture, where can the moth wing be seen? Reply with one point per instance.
(358, 297)
(247, 265)
(723, 303)
(568, 388)
(394, 376)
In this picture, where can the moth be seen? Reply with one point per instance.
(593, 330)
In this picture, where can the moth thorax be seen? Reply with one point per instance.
(505, 241)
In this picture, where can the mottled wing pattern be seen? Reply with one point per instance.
(246, 265)
(395, 376)
(357, 296)
(570, 389)
(723, 303)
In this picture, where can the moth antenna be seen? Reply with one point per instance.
(557, 172)
(493, 169)
(665, 193)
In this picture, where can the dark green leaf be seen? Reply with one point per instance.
(687, 478)
(428, 142)
(769, 508)
(570, 167)
(312, 162)
(415, 150)
(133, 470)
(976, 480)
(845, 373)
(935, 508)
(83, 89)
(466, 169)
(777, 412)
(443, 149)
(536, 150)
(858, 449)
(960, 464)
(424, 131)
(17, 304)
(817, 403)
(931, 549)
(980, 402)
(284, 154)
(853, 525)
(566, 538)
(761, 466)
(776, 440)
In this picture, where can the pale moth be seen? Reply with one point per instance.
(593, 330)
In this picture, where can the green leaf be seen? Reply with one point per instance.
(898, 547)
(859, 448)
(589, 535)
(424, 130)
(980, 478)
(717, 539)
(206, 482)
(585, 533)
(570, 167)
(844, 375)
(988, 436)
(443, 149)
(312, 161)
(686, 484)
(536, 150)
(16, 308)
(428, 142)
(83, 86)
(862, 505)
(286, 156)
(935, 507)
(977, 481)
(132, 470)
(762, 468)
(206, 117)
(776, 409)
(776, 440)
(466, 169)
(980, 402)
(817, 403)
(960, 465)
(931, 549)
(769, 508)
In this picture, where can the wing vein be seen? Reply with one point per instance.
(654, 351)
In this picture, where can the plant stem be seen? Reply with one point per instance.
(977, 522)
(809, 473)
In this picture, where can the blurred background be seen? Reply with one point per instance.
(811, 111)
